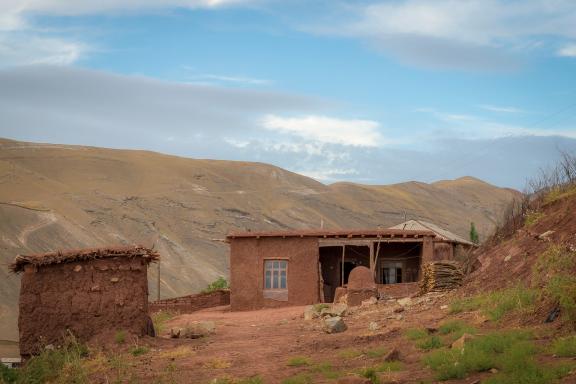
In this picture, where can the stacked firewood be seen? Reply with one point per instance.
(441, 276)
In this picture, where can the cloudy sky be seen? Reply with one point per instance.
(380, 91)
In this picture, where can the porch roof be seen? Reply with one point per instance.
(338, 234)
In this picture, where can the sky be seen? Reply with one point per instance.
(374, 91)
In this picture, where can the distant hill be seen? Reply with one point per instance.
(59, 196)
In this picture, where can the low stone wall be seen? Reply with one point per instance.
(191, 303)
(398, 290)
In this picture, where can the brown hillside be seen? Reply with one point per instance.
(60, 197)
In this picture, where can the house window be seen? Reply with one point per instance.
(392, 273)
(275, 274)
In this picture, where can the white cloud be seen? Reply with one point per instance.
(360, 133)
(26, 50)
(456, 33)
(495, 108)
(567, 51)
(329, 174)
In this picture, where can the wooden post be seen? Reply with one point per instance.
(342, 268)
(372, 260)
(158, 286)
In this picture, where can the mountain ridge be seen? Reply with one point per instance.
(56, 196)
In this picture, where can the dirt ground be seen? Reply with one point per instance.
(262, 342)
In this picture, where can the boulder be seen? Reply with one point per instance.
(334, 310)
(405, 301)
(198, 329)
(371, 301)
(373, 326)
(357, 296)
(334, 325)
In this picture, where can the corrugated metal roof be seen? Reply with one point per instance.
(420, 225)
(336, 233)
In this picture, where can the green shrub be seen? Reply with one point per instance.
(349, 354)
(319, 307)
(216, 285)
(120, 337)
(371, 374)
(532, 218)
(301, 378)
(416, 333)
(160, 318)
(139, 350)
(376, 352)
(431, 342)
(7, 375)
(498, 303)
(298, 361)
(555, 272)
(389, 366)
(326, 370)
(564, 347)
(510, 352)
(63, 365)
(455, 329)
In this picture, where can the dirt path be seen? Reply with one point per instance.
(45, 219)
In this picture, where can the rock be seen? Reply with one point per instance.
(199, 329)
(507, 258)
(552, 315)
(371, 301)
(77, 268)
(115, 279)
(399, 317)
(546, 235)
(373, 326)
(393, 355)
(462, 341)
(494, 370)
(405, 301)
(340, 295)
(353, 379)
(431, 330)
(334, 310)
(175, 333)
(310, 313)
(398, 309)
(334, 325)
(443, 307)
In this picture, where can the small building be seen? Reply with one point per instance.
(451, 246)
(11, 362)
(270, 269)
(86, 292)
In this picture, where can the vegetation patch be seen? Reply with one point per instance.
(376, 352)
(349, 353)
(453, 330)
(326, 370)
(498, 303)
(512, 353)
(301, 378)
(298, 361)
(416, 333)
(160, 318)
(532, 217)
(564, 347)
(176, 353)
(430, 342)
(555, 272)
(216, 285)
(229, 380)
(139, 350)
(120, 337)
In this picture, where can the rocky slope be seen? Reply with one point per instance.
(58, 196)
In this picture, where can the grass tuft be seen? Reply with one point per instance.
(301, 378)
(564, 347)
(298, 361)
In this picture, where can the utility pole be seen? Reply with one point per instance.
(158, 287)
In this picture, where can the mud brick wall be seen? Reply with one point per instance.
(191, 303)
(398, 290)
(87, 298)
(247, 256)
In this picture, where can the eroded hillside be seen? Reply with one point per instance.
(56, 196)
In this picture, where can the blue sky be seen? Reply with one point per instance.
(367, 91)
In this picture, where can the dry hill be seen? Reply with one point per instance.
(58, 196)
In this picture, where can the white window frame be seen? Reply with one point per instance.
(276, 274)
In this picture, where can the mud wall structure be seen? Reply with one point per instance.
(191, 303)
(84, 298)
(247, 258)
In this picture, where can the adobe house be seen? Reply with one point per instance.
(85, 292)
(448, 246)
(270, 269)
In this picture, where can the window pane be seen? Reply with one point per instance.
(276, 264)
(275, 279)
(283, 279)
(283, 264)
(268, 283)
(268, 264)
